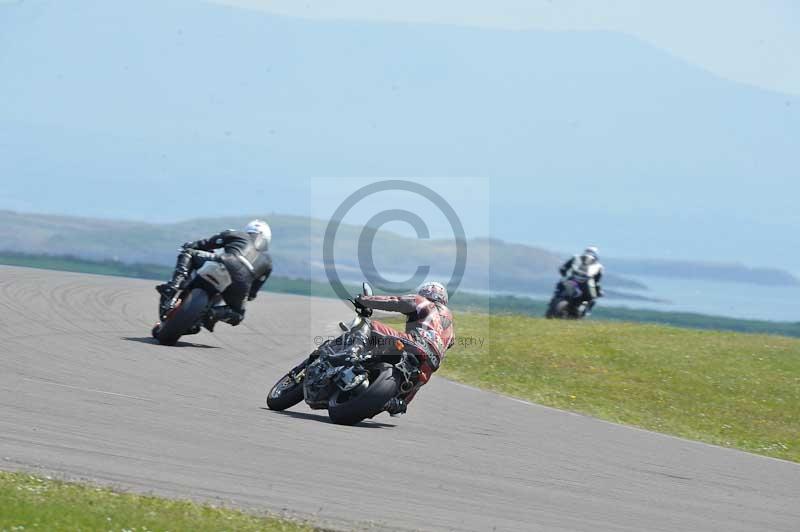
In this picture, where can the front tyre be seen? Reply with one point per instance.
(551, 308)
(562, 310)
(349, 408)
(183, 317)
(286, 393)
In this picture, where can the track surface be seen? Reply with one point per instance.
(85, 394)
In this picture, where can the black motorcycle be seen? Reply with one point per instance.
(185, 312)
(348, 376)
(568, 302)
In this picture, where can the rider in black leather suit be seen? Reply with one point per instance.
(246, 259)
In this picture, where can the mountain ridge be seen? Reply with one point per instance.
(493, 264)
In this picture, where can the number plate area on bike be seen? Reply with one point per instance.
(216, 274)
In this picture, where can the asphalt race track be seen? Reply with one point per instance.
(85, 394)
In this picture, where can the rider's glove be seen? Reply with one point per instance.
(361, 309)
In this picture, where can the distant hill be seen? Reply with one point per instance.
(297, 241)
(493, 265)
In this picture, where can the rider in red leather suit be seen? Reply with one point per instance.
(429, 329)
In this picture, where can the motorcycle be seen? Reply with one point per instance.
(350, 378)
(185, 312)
(568, 302)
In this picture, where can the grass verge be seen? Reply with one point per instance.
(30, 502)
(730, 389)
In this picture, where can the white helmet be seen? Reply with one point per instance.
(260, 227)
(434, 291)
(590, 255)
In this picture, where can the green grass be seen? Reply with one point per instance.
(29, 502)
(730, 389)
(530, 307)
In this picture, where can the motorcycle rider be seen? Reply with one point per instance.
(246, 259)
(587, 271)
(429, 331)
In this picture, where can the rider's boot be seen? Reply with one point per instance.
(209, 322)
(224, 313)
(171, 287)
(396, 406)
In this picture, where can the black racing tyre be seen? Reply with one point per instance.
(285, 393)
(556, 309)
(569, 311)
(346, 409)
(551, 310)
(183, 317)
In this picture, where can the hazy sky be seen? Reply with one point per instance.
(751, 41)
(586, 135)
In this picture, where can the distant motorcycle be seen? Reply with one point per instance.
(352, 382)
(568, 302)
(185, 312)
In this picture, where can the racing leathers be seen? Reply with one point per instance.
(429, 332)
(587, 274)
(246, 259)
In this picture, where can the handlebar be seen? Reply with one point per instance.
(361, 310)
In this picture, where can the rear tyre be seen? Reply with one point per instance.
(561, 309)
(345, 408)
(183, 317)
(286, 393)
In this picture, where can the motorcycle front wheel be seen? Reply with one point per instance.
(286, 393)
(561, 310)
(551, 309)
(349, 408)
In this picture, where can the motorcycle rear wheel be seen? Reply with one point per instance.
(183, 317)
(344, 409)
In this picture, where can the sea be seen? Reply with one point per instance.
(735, 300)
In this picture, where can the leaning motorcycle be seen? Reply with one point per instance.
(349, 377)
(185, 312)
(568, 302)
